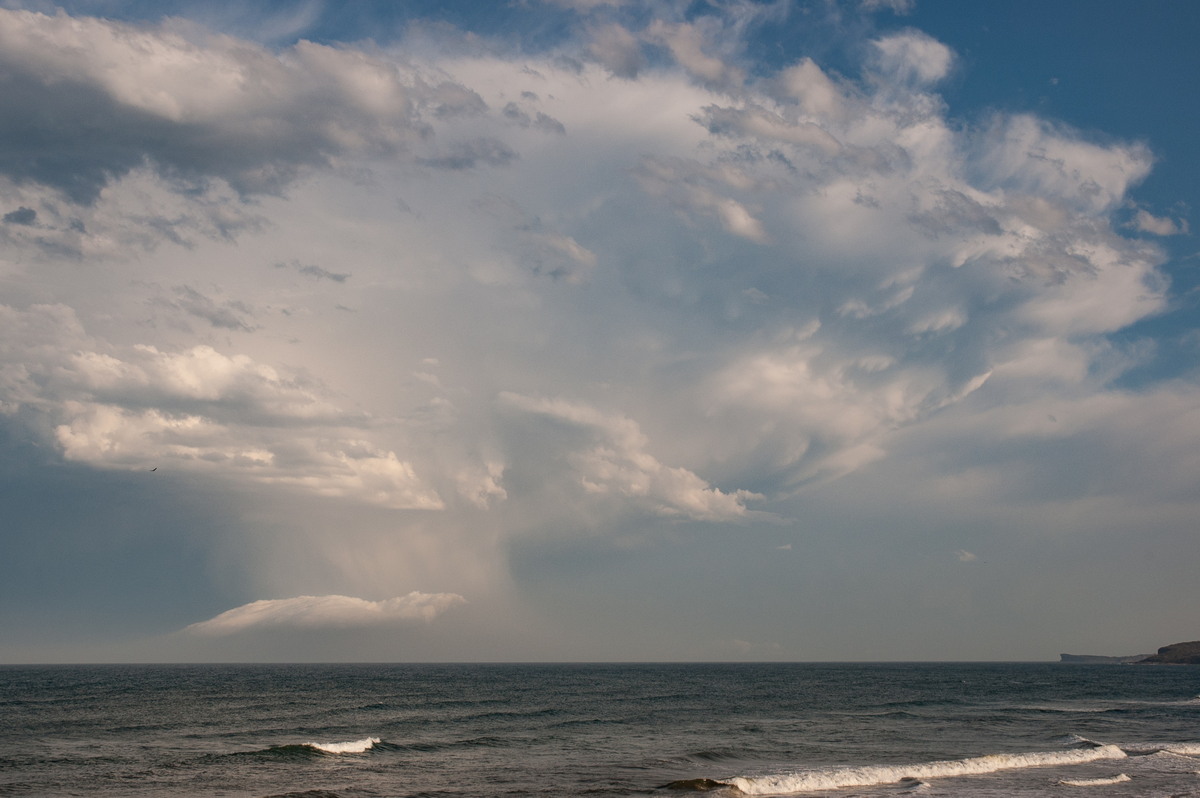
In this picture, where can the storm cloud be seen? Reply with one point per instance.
(539, 335)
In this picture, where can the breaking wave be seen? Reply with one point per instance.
(352, 747)
(1186, 749)
(1117, 779)
(834, 778)
(307, 750)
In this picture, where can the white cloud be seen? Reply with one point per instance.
(873, 193)
(747, 283)
(195, 410)
(483, 485)
(326, 612)
(255, 119)
(537, 249)
(1026, 154)
(618, 50)
(768, 125)
(691, 44)
(614, 462)
(818, 95)
(697, 190)
(1147, 222)
(865, 217)
(914, 56)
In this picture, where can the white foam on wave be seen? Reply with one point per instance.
(834, 778)
(352, 747)
(1101, 782)
(1187, 749)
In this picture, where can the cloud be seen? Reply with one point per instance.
(138, 212)
(1146, 222)
(896, 6)
(326, 612)
(617, 49)
(864, 231)
(965, 556)
(1030, 155)
(256, 119)
(315, 272)
(698, 190)
(584, 6)
(535, 248)
(818, 95)
(195, 410)
(471, 154)
(878, 226)
(692, 44)
(228, 314)
(520, 116)
(616, 464)
(22, 215)
(767, 125)
(635, 291)
(913, 56)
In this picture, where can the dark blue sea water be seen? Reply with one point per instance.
(443, 731)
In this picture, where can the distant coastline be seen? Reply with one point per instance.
(1097, 659)
(1174, 654)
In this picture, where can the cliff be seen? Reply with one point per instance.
(1175, 654)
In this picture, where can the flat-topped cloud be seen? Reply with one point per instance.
(327, 612)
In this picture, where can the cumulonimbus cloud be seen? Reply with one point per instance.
(614, 462)
(327, 612)
(745, 282)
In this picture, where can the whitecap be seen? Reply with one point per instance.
(352, 747)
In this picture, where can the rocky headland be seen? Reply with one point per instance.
(1174, 654)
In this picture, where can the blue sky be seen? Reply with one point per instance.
(586, 330)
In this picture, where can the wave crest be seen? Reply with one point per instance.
(1101, 782)
(834, 778)
(351, 747)
(1184, 749)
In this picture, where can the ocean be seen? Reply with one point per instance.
(486, 731)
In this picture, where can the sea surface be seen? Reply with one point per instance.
(484, 731)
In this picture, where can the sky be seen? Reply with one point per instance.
(598, 330)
